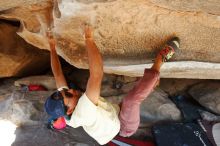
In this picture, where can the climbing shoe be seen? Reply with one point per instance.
(169, 49)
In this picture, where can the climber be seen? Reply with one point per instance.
(100, 119)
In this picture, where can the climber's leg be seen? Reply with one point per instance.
(130, 109)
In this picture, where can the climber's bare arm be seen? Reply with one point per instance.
(55, 63)
(95, 67)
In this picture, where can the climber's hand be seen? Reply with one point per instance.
(51, 40)
(88, 31)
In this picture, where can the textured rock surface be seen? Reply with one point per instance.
(210, 7)
(126, 31)
(18, 58)
(26, 110)
(46, 81)
(39, 135)
(116, 85)
(177, 86)
(156, 108)
(208, 95)
(179, 69)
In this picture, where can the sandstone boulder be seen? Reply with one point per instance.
(18, 58)
(179, 69)
(126, 31)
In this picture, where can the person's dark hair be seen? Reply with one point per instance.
(58, 95)
(67, 94)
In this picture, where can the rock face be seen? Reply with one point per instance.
(24, 108)
(155, 108)
(208, 95)
(17, 58)
(179, 69)
(126, 31)
(46, 81)
(26, 111)
(158, 107)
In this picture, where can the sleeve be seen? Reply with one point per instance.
(85, 113)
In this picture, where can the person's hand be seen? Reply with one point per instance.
(51, 39)
(88, 31)
(52, 42)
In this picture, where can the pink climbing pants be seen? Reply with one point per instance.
(130, 108)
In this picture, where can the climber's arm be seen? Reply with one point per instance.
(95, 67)
(55, 64)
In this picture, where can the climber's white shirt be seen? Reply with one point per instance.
(100, 122)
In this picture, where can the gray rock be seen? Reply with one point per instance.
(115, 85)
(209, 116)
(120, 33)
(158, 107)
(24, 108)
(39, 135)
(115, 99)
(5, 105)
(6, 86)
(177, 86)
(45, 80)
(207, 94)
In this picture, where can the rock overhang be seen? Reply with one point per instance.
(127, 32)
